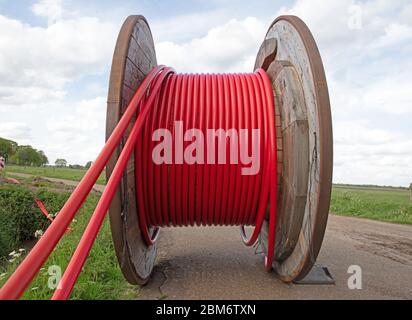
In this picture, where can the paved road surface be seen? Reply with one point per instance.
(212, 263)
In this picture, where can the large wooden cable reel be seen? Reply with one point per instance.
(133, 58)
(291, 59)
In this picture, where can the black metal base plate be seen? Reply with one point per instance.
(317, 275)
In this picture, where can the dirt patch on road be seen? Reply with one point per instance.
(396, 248)
(212, 263)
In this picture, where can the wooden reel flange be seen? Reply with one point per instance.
(133, 58)
(291, 59)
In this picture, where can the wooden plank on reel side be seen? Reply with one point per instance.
(296, 49)
(133, 58)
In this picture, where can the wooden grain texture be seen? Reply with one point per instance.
(295, 136)
(133, 58)
(267, 54)
(308, 142)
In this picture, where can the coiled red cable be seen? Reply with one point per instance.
(182, 194)
(175, 194)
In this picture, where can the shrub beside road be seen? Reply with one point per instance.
(20, 218)
(19, 221)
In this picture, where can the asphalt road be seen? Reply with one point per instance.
(212, 263)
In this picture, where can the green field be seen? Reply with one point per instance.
(374, 202)
(378, 203)
(101, 277)
(55, 172)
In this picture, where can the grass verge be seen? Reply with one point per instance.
(101, 277)
(378, 203)
(55, 172)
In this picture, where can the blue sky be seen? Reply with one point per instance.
(55, 57)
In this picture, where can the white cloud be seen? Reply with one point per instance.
(368, 70)
(352, 132)
(76, 133)
(394, 34)
(406, 14)
(367, 154)
(183, 28)
(36, 62)
(391, 94)
(364, 154)
(226, 48)
(16, 95)
(19, 131)
(50, 9)
(70, 130)
(370, 77)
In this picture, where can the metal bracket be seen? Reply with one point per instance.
(317, 275)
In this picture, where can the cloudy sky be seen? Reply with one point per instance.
(55, 57)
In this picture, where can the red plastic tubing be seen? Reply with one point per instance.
(176, 194)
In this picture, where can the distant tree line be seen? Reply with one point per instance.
(78, 166)
(29, 156)
(24, 155)
(60, 162)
